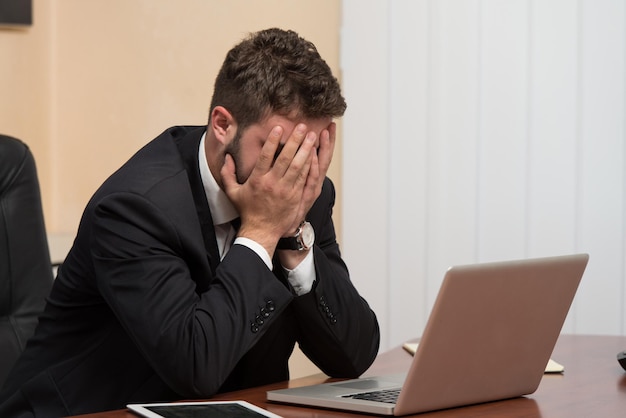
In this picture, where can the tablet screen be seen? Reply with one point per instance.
(231, 409)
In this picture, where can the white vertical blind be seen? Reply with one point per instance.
(364, 63)
(483, 130)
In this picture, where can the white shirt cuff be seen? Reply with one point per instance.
(302, 277)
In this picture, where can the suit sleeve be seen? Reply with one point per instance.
(142, 256)
(338, 330)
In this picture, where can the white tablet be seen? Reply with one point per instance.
(216, 409)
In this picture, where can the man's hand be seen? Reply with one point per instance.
(270, 201)
(320, 162)
(312, 189)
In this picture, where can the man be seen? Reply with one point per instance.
(154, 303)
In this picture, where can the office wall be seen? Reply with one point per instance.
(25, 94)
(92, 81)
(495, 130)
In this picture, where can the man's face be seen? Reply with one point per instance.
(246, 146)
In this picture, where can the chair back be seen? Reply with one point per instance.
(25, 269)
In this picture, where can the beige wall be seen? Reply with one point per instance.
(25, 93)
(92, 81)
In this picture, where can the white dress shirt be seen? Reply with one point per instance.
(301, 278)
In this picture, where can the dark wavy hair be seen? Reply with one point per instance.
(276, 71)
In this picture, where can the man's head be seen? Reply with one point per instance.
(273, 77)
(276, 72)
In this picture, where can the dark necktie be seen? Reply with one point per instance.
(236, 223)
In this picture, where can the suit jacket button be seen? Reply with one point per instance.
(259, 320)
(269, 305)
(254, 328)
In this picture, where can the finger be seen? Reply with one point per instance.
(228, 174)
(266, 159)
(290, 148)
(314, 171)
(301, 162)
(312, 188)
(309, 166)
(326, 148)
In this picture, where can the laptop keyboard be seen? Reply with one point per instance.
(386, 395)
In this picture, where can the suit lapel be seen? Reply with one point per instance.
(188, 146)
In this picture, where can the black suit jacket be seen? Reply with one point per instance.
(142, 309)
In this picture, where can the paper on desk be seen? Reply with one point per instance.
(551, 367)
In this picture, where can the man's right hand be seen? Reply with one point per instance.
(269, 199)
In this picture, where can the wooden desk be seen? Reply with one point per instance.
(593, 385)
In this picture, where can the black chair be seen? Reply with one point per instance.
(25, 270)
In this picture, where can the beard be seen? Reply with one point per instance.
(234, 149)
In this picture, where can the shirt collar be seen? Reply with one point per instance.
(222, 210)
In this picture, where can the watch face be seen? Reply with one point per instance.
(303, 240)
(308, 235)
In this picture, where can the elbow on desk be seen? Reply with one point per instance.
(352, 360)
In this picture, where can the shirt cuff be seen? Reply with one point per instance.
(257, 248)
(302, 277)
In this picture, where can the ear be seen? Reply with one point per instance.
(222, 124)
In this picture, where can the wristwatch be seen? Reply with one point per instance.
(301, 241)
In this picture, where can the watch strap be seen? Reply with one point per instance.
(294, 242)
(288, 243)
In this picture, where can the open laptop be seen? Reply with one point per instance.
(489, 337)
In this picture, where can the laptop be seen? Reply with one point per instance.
(490, 334)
